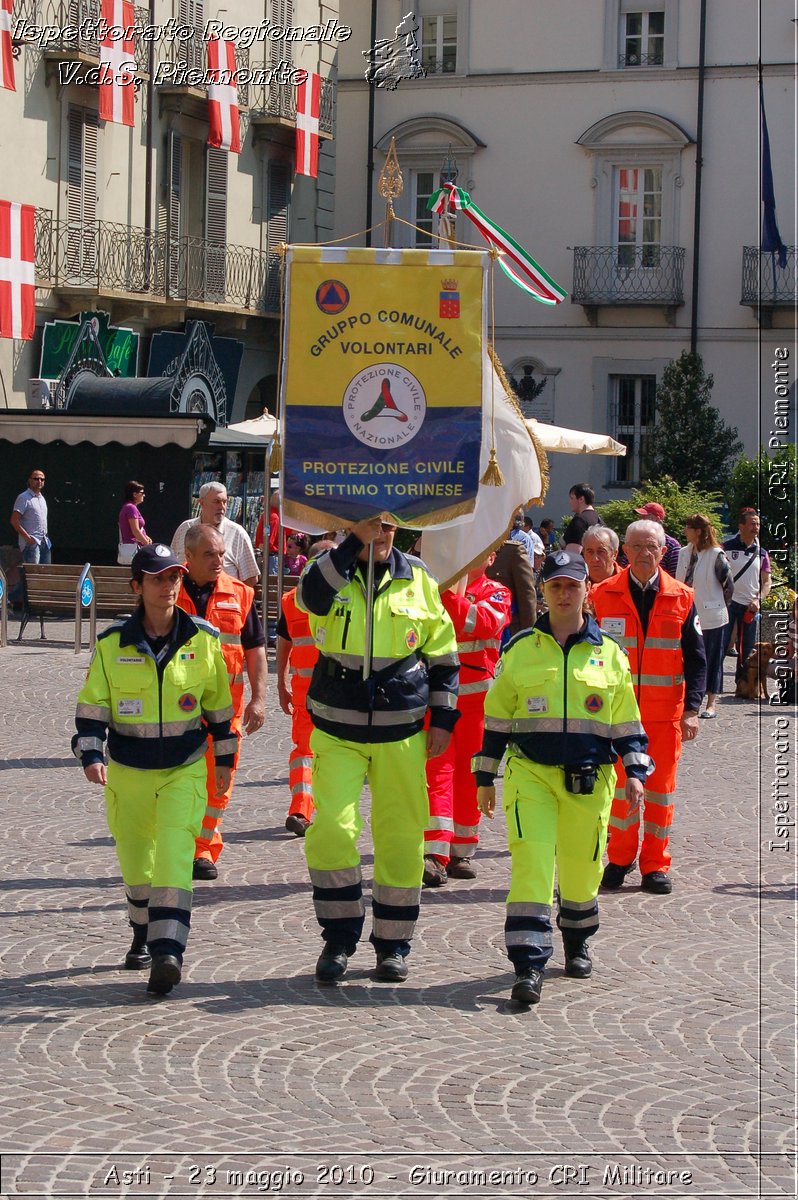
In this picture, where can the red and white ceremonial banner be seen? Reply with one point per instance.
(17, 281)
(6, 55)
(118, 63)
(225, 127)
(308, 102)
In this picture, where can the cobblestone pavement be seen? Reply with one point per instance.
(677, 1055)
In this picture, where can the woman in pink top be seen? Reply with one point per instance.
(131, 523)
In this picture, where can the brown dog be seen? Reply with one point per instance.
(754, 685)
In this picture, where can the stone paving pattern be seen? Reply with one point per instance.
(678, 1053)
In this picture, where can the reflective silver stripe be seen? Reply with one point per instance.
(440, 823)
(442, 700)
(635, 760)
(213, 812)
(579, 905)
(171, 897)
(580, 922)
(343, 877)
(151, 729)
(584, 725)
(230, 639)
(474, 689)
(498, 724)
(301, 761)
(483, 644)
(471, 619)
(234, 679)
(489, 766)
(465, 831)
(332, 909)
(330, 574)
(303, 641)
(527, 908)
(301, 672)
(442, 660)
(90, 743)
(625, 822)
(175, 931)
(302, 788)
(627, 729)
(93, 712)
(662, 643)
(626, 642)
(217, 715)
(441, 848)
(350, 716)
(661, 680)
(196, 756)
(354, 662)
(137, 891)
(225, 746)
(667, 799)
(527, 937)
(658, 831)
(396, 897)
(393, 931)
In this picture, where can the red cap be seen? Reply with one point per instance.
(652, 509)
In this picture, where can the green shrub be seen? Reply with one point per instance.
(679, 504)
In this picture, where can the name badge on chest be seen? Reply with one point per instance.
(613, 625)
(537, 704)
(129, 706)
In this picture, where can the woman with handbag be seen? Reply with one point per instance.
(703, 566)
(131, 524)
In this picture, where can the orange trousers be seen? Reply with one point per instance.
(453, 829)
(300, 760)
(210, 843)
(665, 747)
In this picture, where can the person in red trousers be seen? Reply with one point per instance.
(480, 609)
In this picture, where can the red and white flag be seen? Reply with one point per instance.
(17, 280)
(118, 63)
(308, 100)
(225, 127)
(6, 55)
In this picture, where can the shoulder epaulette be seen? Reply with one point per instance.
(205, 626)
(113, 628)
(517, 637)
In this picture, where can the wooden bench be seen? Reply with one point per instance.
(52, 590)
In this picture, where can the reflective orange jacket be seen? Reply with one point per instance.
(227, 609)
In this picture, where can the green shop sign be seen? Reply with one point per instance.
(120, 346)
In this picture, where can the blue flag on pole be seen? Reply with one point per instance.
(771, 238)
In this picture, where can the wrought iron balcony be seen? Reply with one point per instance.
(766, 285)
(105, 258)
(628, 275)
(74, 25)
(183, 65)
(275, 103)
(640, 60)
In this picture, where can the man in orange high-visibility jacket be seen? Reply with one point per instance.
(654, 618)
(228, 604)
(480, 608)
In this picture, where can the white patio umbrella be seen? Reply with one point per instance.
(263, 426)
(554, 438)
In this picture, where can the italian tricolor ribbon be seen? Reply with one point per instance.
(521, 267)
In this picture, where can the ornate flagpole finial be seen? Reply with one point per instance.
(390, 186)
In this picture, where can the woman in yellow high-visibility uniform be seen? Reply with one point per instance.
(563, 702)
(156, 687)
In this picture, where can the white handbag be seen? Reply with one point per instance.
(126, 553)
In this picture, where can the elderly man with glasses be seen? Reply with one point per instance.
(654, 618)
(383, 728)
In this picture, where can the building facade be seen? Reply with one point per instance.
(618, 141)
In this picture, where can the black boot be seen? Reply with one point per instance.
(527, 986)
(577, 957)
(166, 972)
(138, 956)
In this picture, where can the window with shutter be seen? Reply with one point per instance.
(190, 15)
(81, 241)
(215, 257)
(170, 217)
(282, 96)
(278, 204)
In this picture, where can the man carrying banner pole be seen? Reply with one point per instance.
(372, 727)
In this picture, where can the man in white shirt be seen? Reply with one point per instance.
(239, 554)
(29, 519)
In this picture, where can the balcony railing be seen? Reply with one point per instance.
(628, 275)
(176, 60)
(279, 100)
(75, 24)
(631, 59)
(765, 283)
(106, 257)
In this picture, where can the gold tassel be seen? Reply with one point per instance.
(276, 456)
(493, 476)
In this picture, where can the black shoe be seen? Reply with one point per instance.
(391, 968)
(577, 958)
(165, 973)
(657, 882)
(332, 964)
(297, 824)
(138, 956)
(461, 868)
(614, 875)
(434, 872)
(204, 869)
(527, 986)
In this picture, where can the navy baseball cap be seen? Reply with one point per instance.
(154, 560)
(563, 565)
